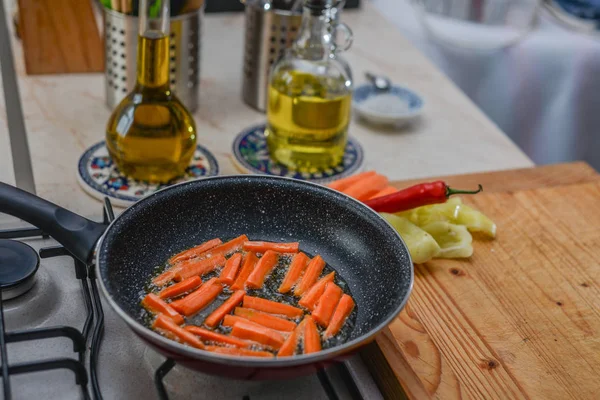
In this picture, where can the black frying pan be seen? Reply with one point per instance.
(364, 250)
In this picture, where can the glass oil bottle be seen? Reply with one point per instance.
(310, 93)
(151, 136)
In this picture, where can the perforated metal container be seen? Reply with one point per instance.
(121, 33)
(269, 32)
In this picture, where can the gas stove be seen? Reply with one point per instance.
(59, 339)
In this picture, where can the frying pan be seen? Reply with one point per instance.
(363, 249)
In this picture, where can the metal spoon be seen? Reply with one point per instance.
(381, 83)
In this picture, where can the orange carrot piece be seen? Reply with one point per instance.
(249, 264)
(195, 251)
(342, 184)
(384, 192)
(367, 187)
(313, 270)
(211, 336)
(216, 316)
(234, 351)
(291, 343)
(327, 304)
(156, 305)
(271, 307)
(342, 312)
(166, 277)
(166, 325)
(263, 267)
(197, 300)
(229, 247)
(312, 341)
(230, 270)
(264, 319)
(297, 266)
(230, 320)
(257, 333)
(195, 267)
(310, 298)
(262, 247)
(180, 288)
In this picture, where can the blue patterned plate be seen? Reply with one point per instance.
(397, 106)
(252, 156)
(100, 178)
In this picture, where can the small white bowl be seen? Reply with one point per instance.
(397, 106)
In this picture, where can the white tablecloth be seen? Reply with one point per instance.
(543, 92)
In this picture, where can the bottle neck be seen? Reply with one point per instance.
(153, 61)
(316, 39)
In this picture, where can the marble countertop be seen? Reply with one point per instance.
(65, 114)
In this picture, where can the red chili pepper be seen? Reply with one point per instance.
(416, 196)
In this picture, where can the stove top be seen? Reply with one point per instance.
(63, 341)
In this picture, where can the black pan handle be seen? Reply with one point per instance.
(78, 234)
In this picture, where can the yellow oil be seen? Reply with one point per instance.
(151, 136)
(307, 120)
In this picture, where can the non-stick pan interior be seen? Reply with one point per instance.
(352, 239)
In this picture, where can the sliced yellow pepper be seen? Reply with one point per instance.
(421, 245)
(455, 241)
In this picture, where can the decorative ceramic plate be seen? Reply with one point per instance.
(99, 176)
(252, 156)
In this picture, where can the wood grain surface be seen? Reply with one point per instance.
(60, 36)
(521, 317)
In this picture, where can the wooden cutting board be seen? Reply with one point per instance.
(521, 317)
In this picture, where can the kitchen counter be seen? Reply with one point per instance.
(65, 114)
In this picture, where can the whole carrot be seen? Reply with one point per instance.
(310, 298)
(291, 343)
(313, 270)
(156, 305)
(327, 304)
(230, 270)
(271, 307)
(257, 333)
(180, 288)
(342, 184)
(297, 266)
(216, 316)
(367, 187)
(211, 336)
(166, 325)
(264, 266)
(234, 351)
(247, 268)
(195, 267)
(262, 247)
(342, 312)
(195, 251)
(264, 319)
(312, 341)
(197, 300)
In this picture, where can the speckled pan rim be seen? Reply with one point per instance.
(251, 362)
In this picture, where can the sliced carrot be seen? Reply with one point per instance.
(384, 192)
(249, 264)
(257, 333)
(229, 247)
(313, 270)
(211, 336)
(195, 251)
(263, 267)
(264, 319)
(234, 351)
(342, 312)
(262, 247)
(291, 343)
(166, 325)
(198, 267)
(297, 266)
(312, 341)
(311, 297)
(166, 277)
(367, 187)
(180, 288)
(156, 305)
(327, 304)
(230, 270)
(271, 307)
(197, 300)
(344, 183)
(229, 320)
(216, 316)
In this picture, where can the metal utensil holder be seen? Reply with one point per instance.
(269, 32)
(120, 37)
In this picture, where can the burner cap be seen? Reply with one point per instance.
(18, 265)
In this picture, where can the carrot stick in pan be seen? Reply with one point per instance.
(367, 187)
(264, 319)
(195, 267)
(229, 247)
(310, 298)
(156, 305)
(291, 343)
(230, 270)
(263, 267)
(169, 328)
(234, 351)
(342, 312)
(271, 307)
(313, 270)
(216, 316)
(297, 266)
(166, 277)
(211, 336)
(197, 300)
(180, 288)
(230, 320)
(312, 341)
(342, 184)
(257, 333)
(327, 304)
(262, 247)
(195, 251)
(249, 264)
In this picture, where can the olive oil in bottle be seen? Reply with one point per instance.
(151, 136)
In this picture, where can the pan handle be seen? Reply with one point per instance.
(78, 234)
